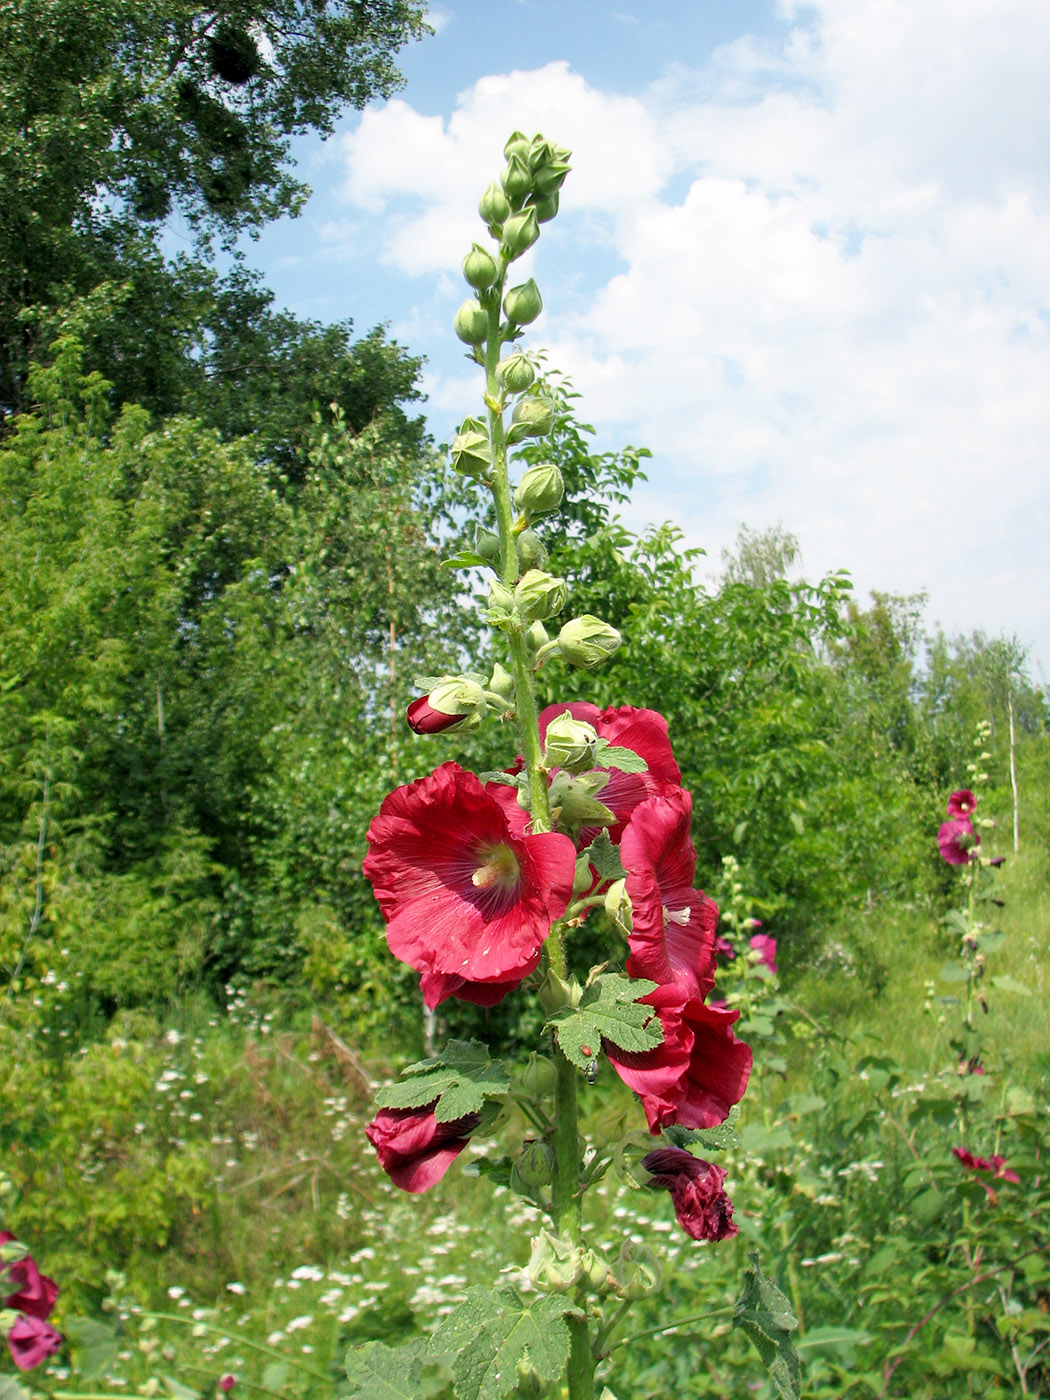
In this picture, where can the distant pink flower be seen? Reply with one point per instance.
(413, 1148)
(35, 1293)
(996, 1165)
(32, 1340)
(673, 925)
(956, 840)
(467, 894)
(227, 1382)
(703, 1209)
(765, 945)
(961, 803)
(724, 948)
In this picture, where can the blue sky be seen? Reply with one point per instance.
(804, 256)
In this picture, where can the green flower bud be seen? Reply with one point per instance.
(554, 993)
(493, 206)
(536, 637)
(536, 1164)
(12, 1252)
(517, 144)
(548, 179)
(618, 903)
(587, 641)
(546, 209)
(533, 416)
(583, 878)
(470, 323)
(597, 1275)
(516, 180)
(555, 1264)
(502, 682)
(523, 304)
(573, 804)
(519, 233)
(531, 553)
(531, 1386)
(458, 696)
(479, 268)
(500, 597)
(487, 545)
(539, 1077)
(541, 489)
(570, 744)
(472, 454)
(639, 1271)
(539, 595)
(515, 373)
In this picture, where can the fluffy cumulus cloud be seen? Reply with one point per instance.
(812, 276)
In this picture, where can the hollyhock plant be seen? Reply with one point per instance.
(673, 935)
(962, 803)
(468, 895)
(31, 1341)
(414, 1149)
(703, 1209)
(956, 840)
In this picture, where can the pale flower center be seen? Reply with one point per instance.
(499, 867)
(676, 916)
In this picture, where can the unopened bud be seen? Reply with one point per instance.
(540, 490)
(12, 1252)
(455, 703)
(515, 373)
(493, 206)
(536, 1164)
(584, 877)
(502, 682)
(639, 1271)
(536, 638)
(523, 304)
(597, 1275)
(487, 545)
(587, 641)
(554, 992)
(470, 323)
(570, 744)
(472, 454)
(618, 903)
(519, 233)
(555, 1263)
(516, 181)
(546, 209)
(539, 1077)
(574, 801)
(501, 599)
(539, 595)
(531, 552)
(531, 1385)
(533, 416)
(517, 144)
(479, 268)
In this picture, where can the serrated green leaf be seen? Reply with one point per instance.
(490, 1332)
(94, 1344)
(614, 756)
(378, 1372)
(723, 1138)
(765, 1315)
(605, 857)
(608, 1010)
(457, 1082)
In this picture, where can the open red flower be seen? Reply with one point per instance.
(703, 1209)
(996, 1165)
(33, 1292)
(961, 803)
(644, 732)
(956, 840)
(31, 1340)
(414, 1148)
(467, 895)
(673, 933)
(699, 1071)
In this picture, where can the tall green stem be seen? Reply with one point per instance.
(566, 1201)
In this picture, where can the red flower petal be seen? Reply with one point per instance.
(703, 1209)
(414, 1148)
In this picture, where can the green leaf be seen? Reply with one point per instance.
(460, 1079)
(625, 760)
(1010, 984)
(490, 1332)
(955, 919)
(797, 821)
(765, 1315)
(608, 1010)
(274, 1375)
(11, 1390)
(842, 1339)
(955, 972)
(378, 1372)
(94, 1345)
(605, 857)
(178, 1391)
(465, 559)
(739, 832)
(723, 1138)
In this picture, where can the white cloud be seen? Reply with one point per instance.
(832, 306)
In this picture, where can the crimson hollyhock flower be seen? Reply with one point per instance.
(644, 732)
(468, 896)
(35, 1292)
(956, 840)
(703, 1209)
(673, 925)
(413, 1148)
(996, 1165)
(699, 1071)
(961, 803)
(32, 1340)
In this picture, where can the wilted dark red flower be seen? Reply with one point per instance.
(956, 840)
(414, 1148)
(467, 895)
(673, 925)
(704, 1210)
(32, 1340)
(644, 732)
(699, 1071)
(996, 1165)
(961, 803)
